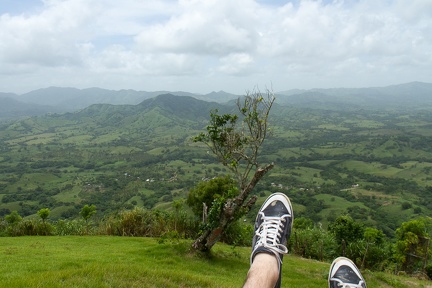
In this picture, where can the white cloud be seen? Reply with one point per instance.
(236, 63)
(50, 38)
(201, 27)
(240, 44)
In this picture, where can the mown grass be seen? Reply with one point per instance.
(96, 261)
(107, 262)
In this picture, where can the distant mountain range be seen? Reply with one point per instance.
(10, 108)
(60, 100)
(402, 96)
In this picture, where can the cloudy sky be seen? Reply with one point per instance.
(210, 45)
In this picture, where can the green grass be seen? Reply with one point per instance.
(372, 168)
(338, 202)
(100, 261)
(68, 195)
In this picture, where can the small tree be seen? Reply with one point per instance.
(346, 231)
(303, 223)
(44, 213)
(45, 228)
(412, 246)
(377, 251)
(86, 212)
(236, 141)
(13, 218)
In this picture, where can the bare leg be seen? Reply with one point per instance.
(263, 273)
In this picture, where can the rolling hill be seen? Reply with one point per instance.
(374, 164)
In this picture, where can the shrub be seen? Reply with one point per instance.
(406, 205)
(133, 223)
(313, 243)
(13, 218)
(151, 223)
(428, 271)
(71, 227)
(412, 245)
(346, 230)
(238, 234)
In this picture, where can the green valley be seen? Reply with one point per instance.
(375, 165)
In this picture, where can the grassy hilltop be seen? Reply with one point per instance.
(143, 262)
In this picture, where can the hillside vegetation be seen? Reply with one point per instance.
(375, 165)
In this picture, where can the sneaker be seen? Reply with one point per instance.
(273, 226)
(344, 273)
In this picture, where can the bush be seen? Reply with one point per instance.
(129, 223)
(379, 257)
(29, 228)
(412, 245)
(346, 230)
(428, 271)
(238, 234)
(150, 223)
(406, 205)
(38, 228)
(71, 227)
(313, 243)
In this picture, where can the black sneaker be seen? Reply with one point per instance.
(344, 273)
(273, 226)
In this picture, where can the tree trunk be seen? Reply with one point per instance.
(229, 212)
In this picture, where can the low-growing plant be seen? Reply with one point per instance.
(29, 227)
(71, 227)
(151, 223)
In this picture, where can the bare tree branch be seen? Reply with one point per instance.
(238, 147)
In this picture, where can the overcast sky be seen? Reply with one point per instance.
(210, 45)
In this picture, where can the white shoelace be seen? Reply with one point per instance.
(347, 285)
(268, 233)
